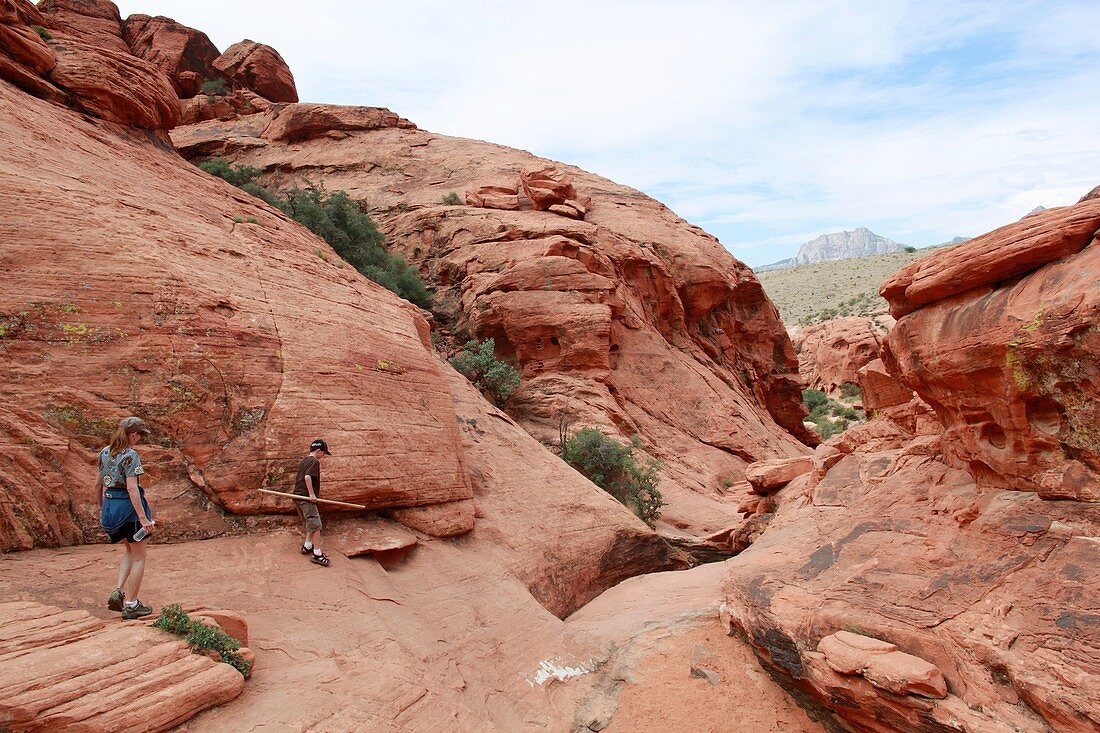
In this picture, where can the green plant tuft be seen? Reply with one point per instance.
(612, 467)
(44, 34)
(199, 636)
(452, 199)
(477, 362)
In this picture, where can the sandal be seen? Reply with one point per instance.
(321, 559)
(306, 550)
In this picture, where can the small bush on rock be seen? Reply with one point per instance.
(44, 34)
(478, 362)
(830, 417)
(611, 466)
(452, 199)
(199, 636)
(215, 87)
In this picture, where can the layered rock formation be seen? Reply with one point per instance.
(831, 353)
(844, 245)
(66, 670)
(1000, 337)
(186, 56)
(933, 533)
(630, 320)
(259, 68)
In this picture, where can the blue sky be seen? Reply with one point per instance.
(765, 123)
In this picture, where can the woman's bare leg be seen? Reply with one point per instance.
(124, 568)
(137, 572)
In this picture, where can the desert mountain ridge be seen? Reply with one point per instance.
(929, 570)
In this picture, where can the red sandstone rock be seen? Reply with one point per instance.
(494, 197)
(250, 340)
(439, 520)
(230, 622)
(1012, 370)
(992, 258)
(767, 476)
(174, 49)
(1093, 194)
(65, 670)
(24, 55)
(115, 86)
(831, 354)
(93, 22)
(248, 656)
(23, 45)
(882, 664)
(239, 103)
(547, 187)
(880, 389)
(296, 122)
(259, 68)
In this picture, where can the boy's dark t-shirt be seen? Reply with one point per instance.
(312, 467)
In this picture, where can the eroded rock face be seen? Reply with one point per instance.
(194, 305)
(94, 22)
(67, 670)
(631, 320)
(115, 86)
(831, 354)
(202, 107)
(173, 48)
(259, 68)
(1010, 365)
(25, 58)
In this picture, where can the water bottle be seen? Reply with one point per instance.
(142, 534)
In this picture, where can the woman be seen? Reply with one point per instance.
(124, 513)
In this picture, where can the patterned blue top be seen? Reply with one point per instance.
(114, 471)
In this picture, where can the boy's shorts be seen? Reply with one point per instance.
(310, 514)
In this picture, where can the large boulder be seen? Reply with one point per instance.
(259, 68)
(115, 86)
(94, 22)
(25, 57)
(1007, 351)
(178, 51)
(296, 122)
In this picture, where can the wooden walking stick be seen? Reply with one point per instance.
(299, 497)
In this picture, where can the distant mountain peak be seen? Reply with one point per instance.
(860, 242)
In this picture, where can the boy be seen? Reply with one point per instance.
(308, 484)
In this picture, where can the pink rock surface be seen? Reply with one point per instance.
(173, 48)
(259, 68)
(1012, 369)
(547, 186)
(66, 670)
(767, 476)
(205, 107)
(832, 353)
(235, 408)
(879, 389)
(297, 122)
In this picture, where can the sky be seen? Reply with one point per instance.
(766, 123)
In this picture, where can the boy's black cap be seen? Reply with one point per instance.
(319, 444)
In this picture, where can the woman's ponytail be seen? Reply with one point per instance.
(120, 441)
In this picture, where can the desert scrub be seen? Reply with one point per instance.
(44, 34)
(339, 221)
(199, 636)
(478, 362)
(612, 467)
(452, 199)
(830, 417)
(215, 87)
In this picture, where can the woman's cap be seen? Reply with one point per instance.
(133, 425)
(319, 444)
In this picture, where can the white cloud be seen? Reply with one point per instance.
(766, 124)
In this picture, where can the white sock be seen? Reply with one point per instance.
(317, 551)
(131, 604)
(308, 544)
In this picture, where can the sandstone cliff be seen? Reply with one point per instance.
(618, 313)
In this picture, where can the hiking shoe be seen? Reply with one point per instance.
(114, 603)
(129, 613)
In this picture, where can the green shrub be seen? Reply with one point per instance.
(339, 221)
(822, 409)
(612, 467)
(849, 390)
(238, 175)
(814, 399)
(213, 87)
(44, 34)
(452, 199)
(910, 249)
(199, 636)
(478, 362)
